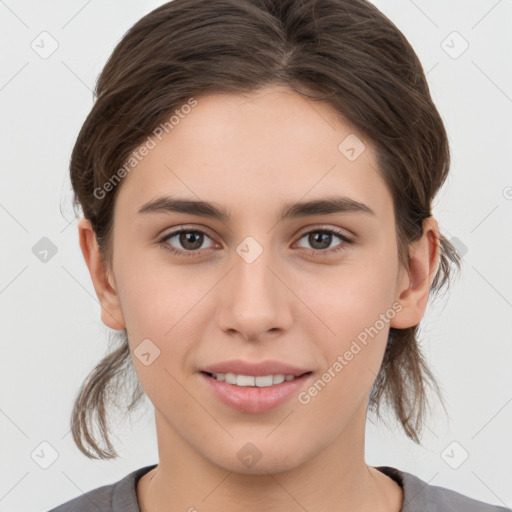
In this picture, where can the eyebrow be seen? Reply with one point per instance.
(324, 206)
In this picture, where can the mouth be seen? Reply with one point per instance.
(256, 381)
(254, 394)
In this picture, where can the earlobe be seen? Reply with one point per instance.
(414, 285)
(111, 314)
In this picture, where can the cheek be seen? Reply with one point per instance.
(155, 296)
(163, 309)
(351, 297)
(354, 305)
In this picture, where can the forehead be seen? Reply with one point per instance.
(254, 152)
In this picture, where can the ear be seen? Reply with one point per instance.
(111, 314)
(414, 283)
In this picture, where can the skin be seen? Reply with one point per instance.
(251, 154)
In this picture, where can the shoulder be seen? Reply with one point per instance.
(422, 496)
(119, 496)
(98, 500)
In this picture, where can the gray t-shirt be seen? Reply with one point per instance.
(419, 496)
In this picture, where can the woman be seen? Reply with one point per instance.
(256, 179)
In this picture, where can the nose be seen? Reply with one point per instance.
(254, 299)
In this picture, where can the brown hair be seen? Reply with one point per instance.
(343, 52)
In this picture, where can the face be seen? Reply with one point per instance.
(318, 291)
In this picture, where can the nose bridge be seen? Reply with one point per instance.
(252, 279)
(255, 299)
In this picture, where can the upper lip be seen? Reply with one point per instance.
(255, 368)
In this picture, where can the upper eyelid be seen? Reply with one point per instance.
(336, 229)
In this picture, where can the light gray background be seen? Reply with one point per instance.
(52, 334)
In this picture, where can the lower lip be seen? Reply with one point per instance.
(254, 399)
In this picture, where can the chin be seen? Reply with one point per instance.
(250, 460)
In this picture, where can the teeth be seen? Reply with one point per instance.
(249, 380)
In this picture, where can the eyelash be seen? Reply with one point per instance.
(315, 252)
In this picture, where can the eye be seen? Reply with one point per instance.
(190, 239)
(321, 239)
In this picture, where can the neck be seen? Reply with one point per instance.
(335, 478)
